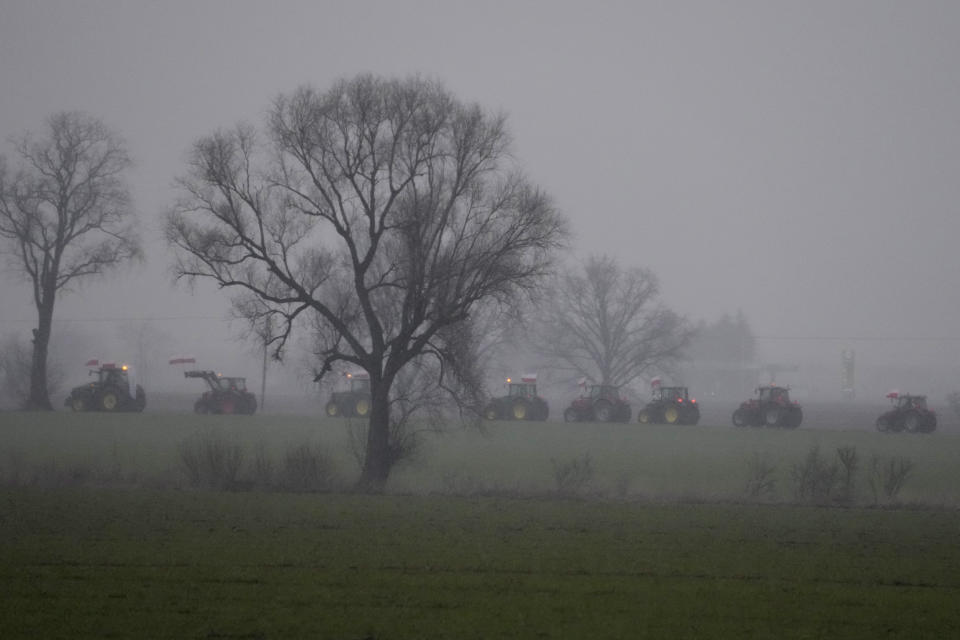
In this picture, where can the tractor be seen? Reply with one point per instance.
(113, 390)
(520, 403)
(772, 408)
(909, 413)
(354, 402)
(670, 405)
(603, 403)
(226, 394)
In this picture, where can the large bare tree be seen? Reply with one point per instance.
(605, 323)
(65, 216)
(386, 208)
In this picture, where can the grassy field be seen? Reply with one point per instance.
(139, 563)
(705, 463)
(104, 534)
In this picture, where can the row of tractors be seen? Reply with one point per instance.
(115, 389)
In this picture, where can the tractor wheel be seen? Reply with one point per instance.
(491, 413)
(78, 404)
(140, 402)
(671, 415)
(110, 400)
(771, 416)
(332, 409)
(570, 415)
(740, 418)
(200, 407)
(362, 408)
(794, 418)
(603, 412)
(251, 406)
(692, 417)
(520, 410)
(883, 424)
(931, 424)
(912, 422)
(643, 417)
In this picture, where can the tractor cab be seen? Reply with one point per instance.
(603, 391)
(672, 394)
(233, 384)
(779, 395)
(911, 402)
(526, 388)
(359, 382)
(111, 375)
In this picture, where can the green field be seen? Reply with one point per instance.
(629, 462)
(103, 535)
(117, 563)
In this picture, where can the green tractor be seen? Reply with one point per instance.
(670, 405)
(520, 403)
(354, 402)
(113, 390)
(226, 394)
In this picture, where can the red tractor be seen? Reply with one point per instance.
(226, 394)
(602, 403)
(909, 413)
(670, 405)
(520, 403)
(772, 408)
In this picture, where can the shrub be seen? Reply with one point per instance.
(572, 476)
(760, 477)
(888, 476)
(815, 479)
(850, 462)
(307, 468)
(211, 460)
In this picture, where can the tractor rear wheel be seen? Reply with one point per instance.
(362, 408)
(110, 400)
(794, 418)
(78, 404)
(520, 410)
(740, 418)
(883, 424)
(771, 416)
(671, 415)
(643, 417)
(333, 410)
(693, 416)
(911, 422)
(491, 413)
(200, 407)
(603, 411)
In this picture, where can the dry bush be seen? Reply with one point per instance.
(888, 476)
(574, 475)
(814, 478)
(211, 460)
(760, 477)
(307, 468)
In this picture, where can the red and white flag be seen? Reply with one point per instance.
(183, 360)
(92, 362)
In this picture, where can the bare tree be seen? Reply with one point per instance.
(387, 209)
(605, 323)
(65, 214)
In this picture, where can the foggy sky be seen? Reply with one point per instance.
(798, 161)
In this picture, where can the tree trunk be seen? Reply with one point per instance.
(39, 399)
(378, 460)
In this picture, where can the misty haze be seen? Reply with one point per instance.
(414, 319)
